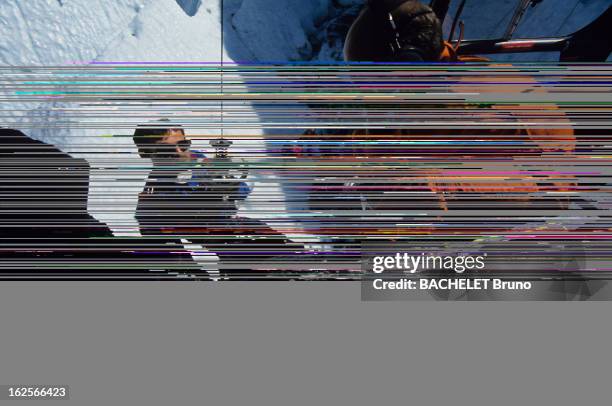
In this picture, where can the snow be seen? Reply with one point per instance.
(81, 32)
(39, 32)
(48, 32)
(190, 7)
(278, 30)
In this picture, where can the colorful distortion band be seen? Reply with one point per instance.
(291, 171)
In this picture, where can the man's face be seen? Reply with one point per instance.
(176, 146)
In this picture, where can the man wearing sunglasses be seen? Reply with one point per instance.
(193, 200)
(163, 143)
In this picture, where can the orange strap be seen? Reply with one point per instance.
(449, 54)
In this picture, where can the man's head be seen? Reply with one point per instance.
(394, 31)
(162, 142)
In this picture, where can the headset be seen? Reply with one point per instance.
(401, 50)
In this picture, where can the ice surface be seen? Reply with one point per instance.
(190, 6)
(279, 30)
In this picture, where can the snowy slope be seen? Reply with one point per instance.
(278, 30)
(81, 31)
(39, 32)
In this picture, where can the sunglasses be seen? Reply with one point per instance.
(169, 150)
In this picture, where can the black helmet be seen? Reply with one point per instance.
(394, 31)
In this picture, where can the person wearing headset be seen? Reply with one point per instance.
(395, 31)
(407, 31)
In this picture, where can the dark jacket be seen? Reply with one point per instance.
(45, 229)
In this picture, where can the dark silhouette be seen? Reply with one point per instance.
(45, 230)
